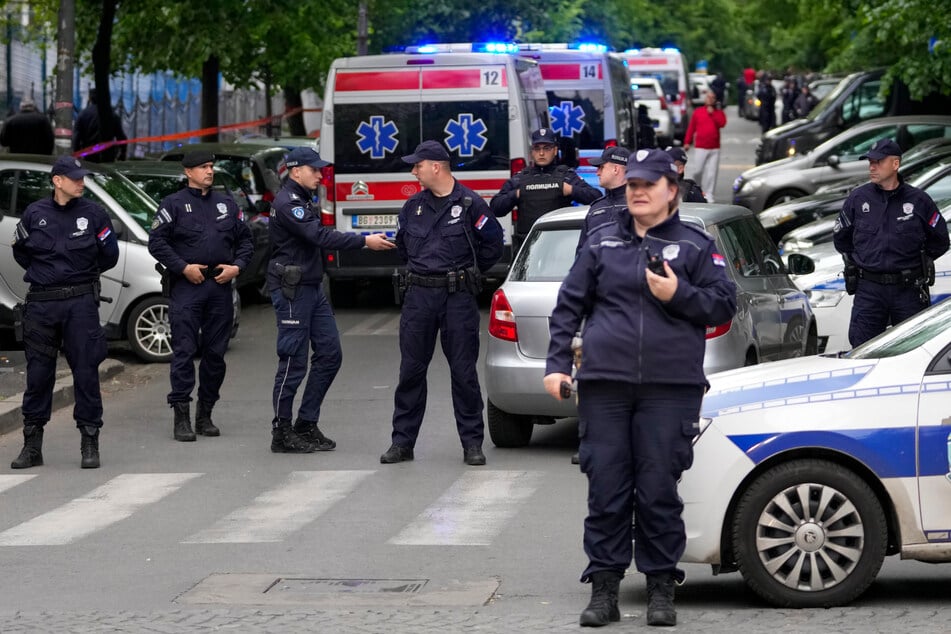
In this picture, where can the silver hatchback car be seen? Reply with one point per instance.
(773, 319)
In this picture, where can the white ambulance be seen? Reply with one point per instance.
(589, 98)
(669, 66)
(482, 104)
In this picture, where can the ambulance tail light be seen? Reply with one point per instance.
(516, 165)
(718, 331)
(328, 200)
(501, 318)
(610, 143)
(663, 102)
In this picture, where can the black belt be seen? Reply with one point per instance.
(908, 276)
(430, 281)
(47, 293)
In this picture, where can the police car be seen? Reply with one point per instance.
(808, 472)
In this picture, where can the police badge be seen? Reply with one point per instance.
(908, 208)
(456, 211)
(82, 223)
(671, 251)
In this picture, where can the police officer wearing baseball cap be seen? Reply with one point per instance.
(647, 288)
(64, 242)
(690, 192)
(612, 206)
(447, 236)
(541, 187)
(889, 233)
(305, 318)
(200, 237)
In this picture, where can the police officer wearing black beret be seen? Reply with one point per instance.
(541, 187)
(305, 319)
(689, 190)
(447, 235)
(64, 242)
(200, 237)
(889, 233)
(612, 206)
(646, 289)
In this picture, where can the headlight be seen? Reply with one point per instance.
(702, 427)
(824, 298)
(774, 218)
(750, 185)
(794, 244)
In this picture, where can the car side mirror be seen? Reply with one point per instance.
(833, 160)
(799, 264)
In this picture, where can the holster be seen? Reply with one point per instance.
(472, 280)
(927, 265)
(166, 282)
(18, 321)
(851, 275)
(399, 286)
(290, 280)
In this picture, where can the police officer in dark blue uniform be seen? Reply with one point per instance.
(305, 318)
(646, 288)
(612, 206)
(200, 237)
(64, 242)
(690, 192)
(889, 234)
(540, 188)
(447, 236)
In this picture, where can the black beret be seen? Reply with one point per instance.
(197, 157)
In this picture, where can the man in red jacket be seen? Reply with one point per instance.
(704, 134)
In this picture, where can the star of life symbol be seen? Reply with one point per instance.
(464, 135)
(377, 137)
(567, 118)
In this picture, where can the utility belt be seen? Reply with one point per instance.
(907, 277)
(47, 293)
(290, 275)
(468, 279)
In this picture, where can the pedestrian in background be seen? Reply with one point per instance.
(889, 234)
(89, 130)
(805, 102)
(28, 132)
(690, 192)
(447, 236)
(305, 319)
(201, 239)
(766, 93)
(646, 292)
(703, 133)
(718, 85)
(64, 242)
(543, 186)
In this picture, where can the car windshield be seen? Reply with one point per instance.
(136, 202)
(547, 254)
(907, 335)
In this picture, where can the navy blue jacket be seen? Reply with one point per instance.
(193, 229)
(65, 245)
(541, 191)
(612, 207)
(630, 335)
(431, 232)
(297, 235)
(885, 231)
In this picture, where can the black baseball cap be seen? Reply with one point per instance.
(651, 165)
(69, 167)
(544, 135)
(427, 151)
(676, 153)
(304, 155)
(881, 149)
(616, 154)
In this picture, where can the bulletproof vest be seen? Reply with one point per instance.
(539, 192)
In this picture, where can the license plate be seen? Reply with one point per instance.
(374, 220)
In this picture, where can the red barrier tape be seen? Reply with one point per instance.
(99, 147)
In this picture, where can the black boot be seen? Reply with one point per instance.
(183, 423)
(309, 432)
(32, 453)
(285, 440)
(602, 609)
(203, 424)
(660, 600)
(90, 446)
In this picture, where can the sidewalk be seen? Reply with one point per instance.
(13, 384)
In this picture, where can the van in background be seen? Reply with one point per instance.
(668, 65)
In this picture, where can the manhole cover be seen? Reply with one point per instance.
(326, 586)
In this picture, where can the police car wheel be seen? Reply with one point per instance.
(795, 335)
(809, 533)
(149, 331)
(508, 430)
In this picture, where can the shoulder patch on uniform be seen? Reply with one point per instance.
(298, 212)
(934, 219)
(484, 219)
(105, 233)
(719, 260)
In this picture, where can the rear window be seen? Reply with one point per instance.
(644, 91)
(547, 254)
(372, 138)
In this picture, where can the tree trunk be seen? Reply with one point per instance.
(102, 69)
(209, 96)
(295, 122)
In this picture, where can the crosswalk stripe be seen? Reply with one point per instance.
(10, 481)
(115, 500)
(473, 510)
(274, 514)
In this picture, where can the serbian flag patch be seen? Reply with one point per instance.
(481, 221)
(934, 220)
(105, 233)
(718, 260)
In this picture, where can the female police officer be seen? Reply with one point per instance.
(646, 288)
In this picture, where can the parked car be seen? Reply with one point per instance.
(823, 86)
(773, 320)
(136, 312)
(808, 472)
(158, 179)
(648, 91)
(254, 165)
(855, 99)
(836, 159)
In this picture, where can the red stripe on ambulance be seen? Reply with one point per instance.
(402, 190)
(569, 72)
(463, 78)
(393, 80)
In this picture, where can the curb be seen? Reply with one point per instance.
(11, 407)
